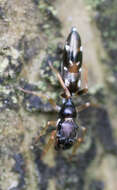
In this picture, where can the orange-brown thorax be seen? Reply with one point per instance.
(73, 68)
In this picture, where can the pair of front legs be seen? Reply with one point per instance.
(68, 95)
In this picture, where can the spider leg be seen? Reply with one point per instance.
(49, 123)
(87, 105)
(78, 142)
(51, 101)
(48, 145)
(60, 80)
(84, 106)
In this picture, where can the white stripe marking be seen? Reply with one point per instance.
(67, 47)
(66, 82)
(80, 69)
(78, 63)
(74, 29)
(79, 83)
(71, 63)
(81, 48)
(65, 68)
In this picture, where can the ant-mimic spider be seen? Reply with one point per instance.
(67, 131)
(71, 66)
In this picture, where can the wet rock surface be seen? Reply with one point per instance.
(96, 185)
(19, 168)
(10, 63)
